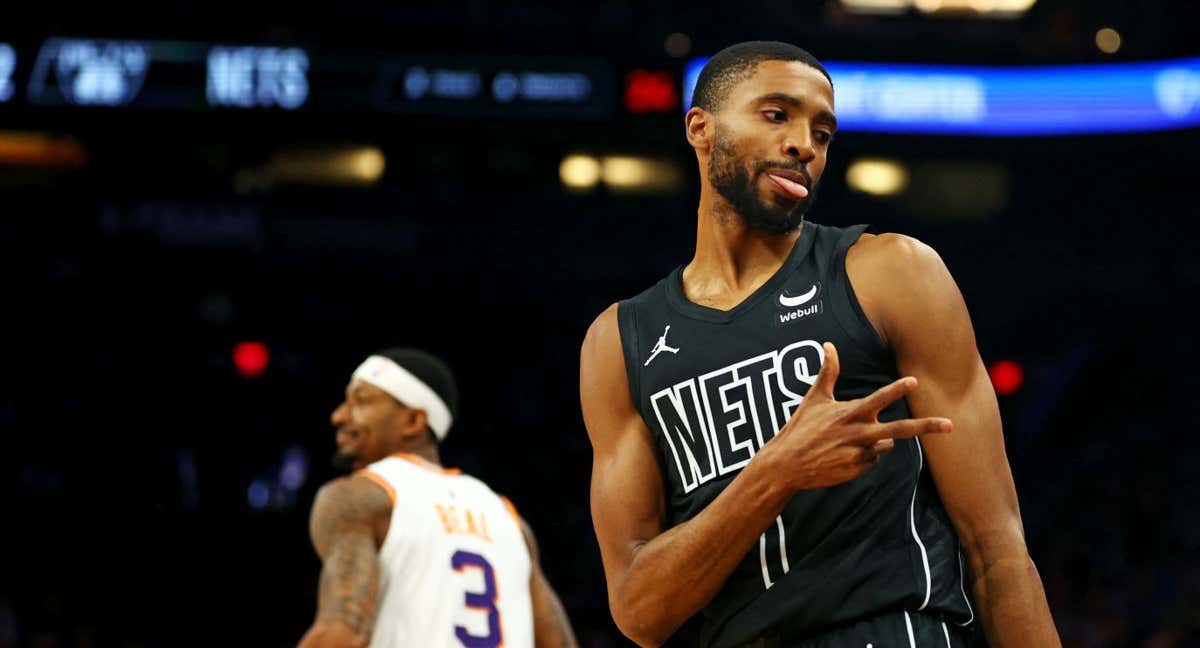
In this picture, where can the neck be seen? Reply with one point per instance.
(425, 450)
(429, 453)
(731, 259)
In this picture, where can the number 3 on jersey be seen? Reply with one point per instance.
(484, 601)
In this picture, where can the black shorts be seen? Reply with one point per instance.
(892, 630)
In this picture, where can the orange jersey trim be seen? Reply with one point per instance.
(512, 510)
(427, 465)
(383, 483)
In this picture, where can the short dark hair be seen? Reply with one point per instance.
(431, 370)
(735, 63)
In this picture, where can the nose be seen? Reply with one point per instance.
(798, 144)
(340, 415)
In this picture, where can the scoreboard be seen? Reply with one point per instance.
(878, 97)
(212, 76)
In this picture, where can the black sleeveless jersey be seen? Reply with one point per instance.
(714, 386)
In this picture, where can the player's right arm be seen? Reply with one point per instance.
(656, 579)
(348, 524)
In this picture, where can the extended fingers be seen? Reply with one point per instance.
(903, 429)
(871, 405)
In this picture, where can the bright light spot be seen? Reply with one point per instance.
(620, 173)
(353, 166)
(625, 171)
(368, 163)
(988, 8)
(876, 176)
(650, 91)
(251, 358)
(1108, 40)
(1020, 6)
(1007, 377)
(876, 6)
(1178, 91)
(40, 149)
(579, 171)
(294, 470)
(678, 45)
(258, 495)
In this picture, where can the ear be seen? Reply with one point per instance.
(700, 126)
(416, 422)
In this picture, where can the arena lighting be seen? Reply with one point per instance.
(8, 64)
(251, 358)
(579, 172)
(1007, 377)
(620, 173)
(1009, 101)
(983, 8)
(650, 91)
(882, 7)
(625, 173)
(878, 177)
(40, 149)
(366, 163)
(258, 494)
(1108, 40)
(359, 166)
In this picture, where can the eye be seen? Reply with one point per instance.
(823, 137)
(775, 115)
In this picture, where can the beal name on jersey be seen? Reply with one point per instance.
(463, 521)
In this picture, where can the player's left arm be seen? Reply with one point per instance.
(551, 627)
(908, 294)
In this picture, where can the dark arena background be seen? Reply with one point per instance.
(211, 212)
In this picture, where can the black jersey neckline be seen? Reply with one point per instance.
(681, 304)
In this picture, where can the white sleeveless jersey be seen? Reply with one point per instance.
(454, 567)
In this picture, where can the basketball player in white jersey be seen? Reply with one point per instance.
(415, 554)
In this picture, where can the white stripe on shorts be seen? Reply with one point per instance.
(912, 641)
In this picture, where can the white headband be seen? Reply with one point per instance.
(385, 374)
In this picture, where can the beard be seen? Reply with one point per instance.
(736, 184)
(343, 462)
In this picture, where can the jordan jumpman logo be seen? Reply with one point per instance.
(660, 346)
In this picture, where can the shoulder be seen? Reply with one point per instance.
(898, 279)
(603, 331)
(363, 490)
(522, 525)
(604, 384)
(601, 358)
(893, 253)
(896, 267)
(357, 501)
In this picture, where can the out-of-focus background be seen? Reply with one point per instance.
(210, 212)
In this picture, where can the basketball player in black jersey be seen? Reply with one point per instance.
(771, 423)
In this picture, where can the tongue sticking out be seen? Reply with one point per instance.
(796, 189)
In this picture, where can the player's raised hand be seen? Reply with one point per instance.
(827, 442)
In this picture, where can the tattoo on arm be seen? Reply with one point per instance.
(345, 528)
(349, 584)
